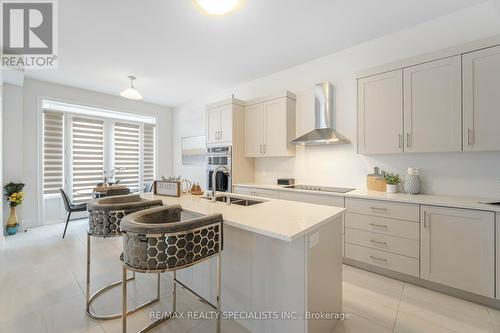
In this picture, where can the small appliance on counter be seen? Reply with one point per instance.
(286, 181)
(376, 180)
(412, 181)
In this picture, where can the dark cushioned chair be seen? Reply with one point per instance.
(71, 208)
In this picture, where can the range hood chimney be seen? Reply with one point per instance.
(324, 132)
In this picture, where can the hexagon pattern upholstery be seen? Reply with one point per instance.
(151, 253)
(167, 238)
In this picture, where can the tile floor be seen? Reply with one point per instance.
(42, 281)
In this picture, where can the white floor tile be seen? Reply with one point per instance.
(358, 324)
(68, 316)
(407, 323)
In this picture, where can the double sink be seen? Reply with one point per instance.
(235, 200)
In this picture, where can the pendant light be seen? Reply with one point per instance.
(131, 93)
(218, 7)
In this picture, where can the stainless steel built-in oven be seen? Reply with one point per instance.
(219, 156)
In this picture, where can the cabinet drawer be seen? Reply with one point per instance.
(396, 245)
(271, 194)
(257, 192)
(382, 259)
(382, 225)
(395, 210)
(327, 200)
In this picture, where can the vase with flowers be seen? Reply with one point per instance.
(14, 195)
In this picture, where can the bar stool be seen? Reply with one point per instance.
(167, 239)
(105, 216)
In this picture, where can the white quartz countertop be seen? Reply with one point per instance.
(422, 199)
(280, 219)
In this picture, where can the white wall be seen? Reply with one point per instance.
(21, 156)
(1, 172)
(476, 174)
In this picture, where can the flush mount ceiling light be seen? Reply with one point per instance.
(131, 93)
(218, 7)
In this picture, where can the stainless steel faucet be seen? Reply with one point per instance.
(214, 174)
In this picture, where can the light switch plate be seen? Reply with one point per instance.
(313, 240)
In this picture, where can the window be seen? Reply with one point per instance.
(53, 152)
(148, 158)
(127, 154)
(87, 147)
(82, 145)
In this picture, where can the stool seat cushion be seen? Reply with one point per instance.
(166, 220)
(106, 214)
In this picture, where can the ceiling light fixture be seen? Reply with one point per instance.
(218, 7)
(131, 93)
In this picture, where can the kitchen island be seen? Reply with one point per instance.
(281, 263)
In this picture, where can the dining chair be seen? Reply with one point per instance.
(71, 208)
(117, 191)
(148, 187)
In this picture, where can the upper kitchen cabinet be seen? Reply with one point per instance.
(432, 106)
(380, 113)
(220, 121)
(270, 126)
(481, 100)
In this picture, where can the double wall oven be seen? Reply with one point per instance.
(219, 156)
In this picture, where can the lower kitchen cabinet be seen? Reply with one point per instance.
(498, 255)
(457, 248)
(257, 192)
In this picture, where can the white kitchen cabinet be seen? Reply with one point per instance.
(481, 100)
(257, 192)
(270, 126)
(433, 106)
(380, 113)
(457, 249)
(497, 249)
(220, 124)
(327, 200)
(254, 130)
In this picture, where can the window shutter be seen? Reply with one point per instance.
(53, 151)
(126, 137)
(148, 153)
(88, 156)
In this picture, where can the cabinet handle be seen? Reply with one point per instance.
(425, 219)
(379, 208)
(377, 258)
(408, 136)
(470, 137)
(400, 137)
(264, 147)
(379, 225)
(260, 149)
(378, 242)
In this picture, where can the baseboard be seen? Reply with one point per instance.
(482, 300)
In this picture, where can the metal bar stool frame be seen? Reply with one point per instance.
(113, 232)
(218, 246)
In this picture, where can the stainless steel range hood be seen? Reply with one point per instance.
(324, 132)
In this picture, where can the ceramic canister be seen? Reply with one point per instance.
(412, 182)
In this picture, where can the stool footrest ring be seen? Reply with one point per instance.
(94, 315)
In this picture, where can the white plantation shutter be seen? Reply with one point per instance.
(53, 151)
(88, 156)
(148, 158)
(127, 153)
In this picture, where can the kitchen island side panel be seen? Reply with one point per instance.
(259, 274)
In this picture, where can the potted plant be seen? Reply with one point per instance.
(15, 195)
(392, 181)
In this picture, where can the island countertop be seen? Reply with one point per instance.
(280, 219)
